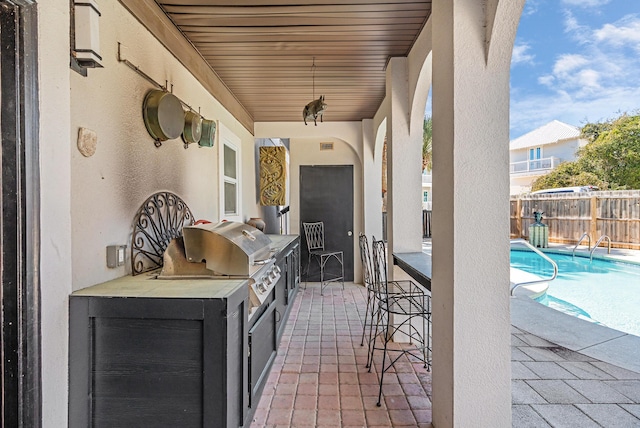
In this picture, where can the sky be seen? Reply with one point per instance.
(576, 61)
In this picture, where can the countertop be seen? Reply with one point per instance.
(417, 265)
(147, 286)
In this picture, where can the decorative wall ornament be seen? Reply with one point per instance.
(315, 108)
(87, 142)
(273, 176)
(159, 220)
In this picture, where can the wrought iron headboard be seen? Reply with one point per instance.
(159, 220)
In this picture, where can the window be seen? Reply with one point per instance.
(230, 174)
(534, 158)
(230, 177)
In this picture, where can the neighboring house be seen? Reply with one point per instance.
(538, 152)
(427, 195)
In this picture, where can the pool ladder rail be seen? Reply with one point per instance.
(584, 235)
(541, 254)
(598, 243)
(591, 250)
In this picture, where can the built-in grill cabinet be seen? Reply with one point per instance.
(178, 353)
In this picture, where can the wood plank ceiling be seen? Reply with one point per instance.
(264, 50)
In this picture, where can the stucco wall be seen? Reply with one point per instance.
(109, 187)
(88, 203)
(305, 150)
(55, 217)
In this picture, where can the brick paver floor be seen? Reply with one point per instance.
(319, 378)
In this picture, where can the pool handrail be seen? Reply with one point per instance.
(598, 243)
(573, 253)
(541, 254)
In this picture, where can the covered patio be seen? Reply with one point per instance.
(248, 67)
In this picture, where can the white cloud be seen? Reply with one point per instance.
(579, 33)
(624, 32)
(568, 63)
(547, 80)
(520, 54)
(586, 3)
(531, 7)
(594, 80)
(528, 113)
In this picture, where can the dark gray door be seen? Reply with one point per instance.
(326, 194)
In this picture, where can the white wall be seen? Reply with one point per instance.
(55, 216)
(564, 150)
(305, 150)
(89, 203)
(108, 188)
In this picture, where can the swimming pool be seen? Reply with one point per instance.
(603, 291)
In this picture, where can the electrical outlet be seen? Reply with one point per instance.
(116, 255)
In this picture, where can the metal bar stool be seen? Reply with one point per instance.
(367, 279)
(402, 307)
(314, 234)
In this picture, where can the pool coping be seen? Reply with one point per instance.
(593, 340)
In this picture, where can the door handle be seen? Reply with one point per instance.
(349, 233)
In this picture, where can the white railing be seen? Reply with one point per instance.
(541, 254)
(534, 165)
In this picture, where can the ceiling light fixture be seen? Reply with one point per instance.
(316, 107)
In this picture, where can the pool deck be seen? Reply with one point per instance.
(565, 372)
(590, 339)
(570, 372)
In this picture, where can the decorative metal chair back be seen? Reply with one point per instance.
(379, 267)
(159, 220)
(314, 233)
(365, 257)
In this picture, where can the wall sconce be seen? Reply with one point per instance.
(86, 37)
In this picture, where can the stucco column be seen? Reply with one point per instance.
(404, 182)
(472, 44)
(372, 198)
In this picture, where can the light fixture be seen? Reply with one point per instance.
(316, 107)
(86, 40)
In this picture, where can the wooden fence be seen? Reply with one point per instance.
(569, 215)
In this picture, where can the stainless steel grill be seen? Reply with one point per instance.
(226, 250)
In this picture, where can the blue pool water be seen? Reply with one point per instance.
(602, 291)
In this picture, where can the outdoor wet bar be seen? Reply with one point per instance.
(189, 342)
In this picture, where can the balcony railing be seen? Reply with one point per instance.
(535, 165)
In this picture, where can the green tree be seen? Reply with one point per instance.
(567, 174)
(611, 159)
(614, 154)
(427, 138)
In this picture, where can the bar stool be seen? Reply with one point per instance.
(367, 279)
(314, 234)
(402, 307)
